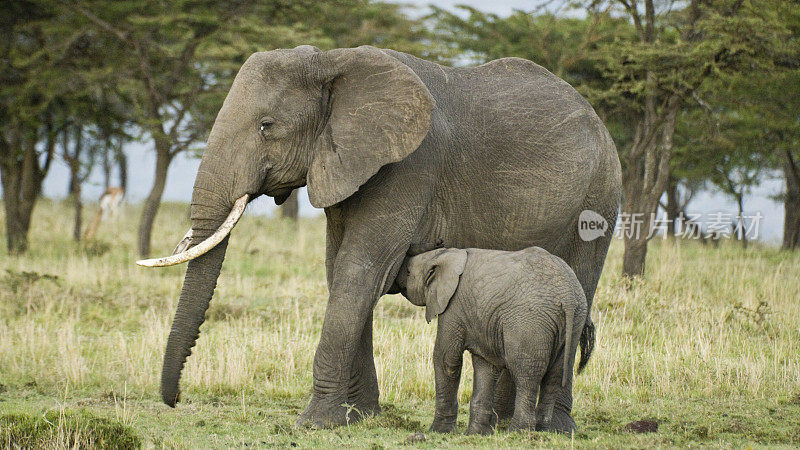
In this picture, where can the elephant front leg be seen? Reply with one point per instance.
(345, 384)
(447, 361)
(363, 393)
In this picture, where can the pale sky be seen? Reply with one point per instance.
(183, 169)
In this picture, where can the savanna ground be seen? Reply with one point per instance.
(707, 347)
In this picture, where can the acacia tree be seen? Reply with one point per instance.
(163, 67)
(769, 106)
(768, 116)
(78, 152)
(35, 52)
(562, 45)
(674, 52)
(112, 122)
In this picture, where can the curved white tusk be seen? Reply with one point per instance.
(203, 247)
(184, 243)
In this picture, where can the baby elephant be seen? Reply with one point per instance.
(517, 311)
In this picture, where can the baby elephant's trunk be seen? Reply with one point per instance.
(569, 313)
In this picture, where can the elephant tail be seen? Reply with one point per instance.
(569, 355)
(587, 343)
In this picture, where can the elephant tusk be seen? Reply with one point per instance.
(184, 243)
(203, 247)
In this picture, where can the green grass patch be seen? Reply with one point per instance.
(65, 429)
(705, 347)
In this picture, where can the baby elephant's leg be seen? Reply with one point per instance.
(504, 395)
(527, 375)
(553, 413)
(480, 407)
(447, 361)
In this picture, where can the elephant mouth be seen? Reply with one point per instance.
(281, 196)
(282, 191)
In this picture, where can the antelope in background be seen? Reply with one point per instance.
(109, 207)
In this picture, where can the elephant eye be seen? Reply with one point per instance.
(429, 278)
(265, 125)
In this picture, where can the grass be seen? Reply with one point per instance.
(707, 347)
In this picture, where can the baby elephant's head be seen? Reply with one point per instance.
(432, 278)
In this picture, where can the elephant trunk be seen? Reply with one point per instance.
(209, 212)
(198, 286)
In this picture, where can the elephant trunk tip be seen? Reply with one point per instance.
(171, 400)
(171, 375)
(170, 395)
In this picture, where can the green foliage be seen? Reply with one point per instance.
(737, 127)
(179, 58)
(687, 46)
(68, 429)
(350, 23)
(562, 45)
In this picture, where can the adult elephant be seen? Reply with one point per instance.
(397, 150)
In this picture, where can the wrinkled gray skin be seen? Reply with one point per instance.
(520, 311)
(396, 150)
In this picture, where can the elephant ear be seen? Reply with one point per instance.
(378, 112)
(448, 267)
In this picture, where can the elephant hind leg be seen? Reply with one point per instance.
(505, 393)
(480, 406)
(527, 374)
(554, 409)
(586, 258)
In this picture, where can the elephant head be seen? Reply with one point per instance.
(433, 278)
(329, 120)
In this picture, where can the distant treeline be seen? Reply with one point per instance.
(695, 94)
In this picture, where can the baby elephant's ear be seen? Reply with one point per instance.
(449, 266)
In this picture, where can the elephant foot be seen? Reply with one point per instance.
(443, 426)
(320, 414)
(483, 429)
(364, 402)
(519, 424)
(559, 421)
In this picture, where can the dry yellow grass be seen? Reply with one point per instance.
(707, 346)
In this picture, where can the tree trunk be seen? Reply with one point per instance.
(22, 181)
(107, 163)
(153, 201)
(122, 163)
(673, 208)
(740, 231)
(78, 204)
(634, 258)
(290, 207)
(16, 233)
(74, 161)
(645, 180)
(791, 203)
